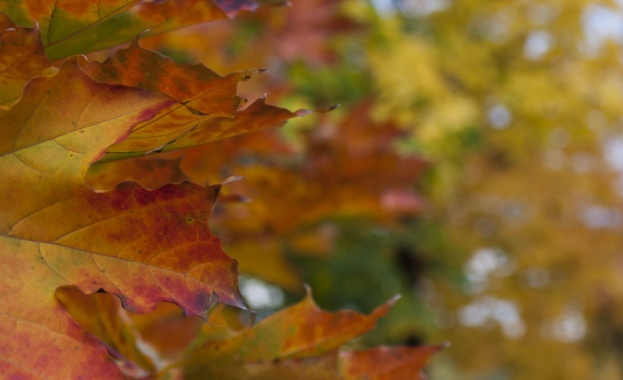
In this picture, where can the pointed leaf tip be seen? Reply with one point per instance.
(329, 108)
(308, 290)
(392, 301)
(233, 178)
(302, 112)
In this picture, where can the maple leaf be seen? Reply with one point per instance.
(316, 332)
(21, 58)
(301, 341)
(208, 111)
(177, 163)
(144, 246)
(198, 88)
(330, 178)
(333, 174)
(71, 27)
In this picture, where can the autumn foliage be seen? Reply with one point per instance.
(111, 170)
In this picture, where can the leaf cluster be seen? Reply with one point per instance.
(100, 196)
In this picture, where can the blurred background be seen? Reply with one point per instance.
(475, 166)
